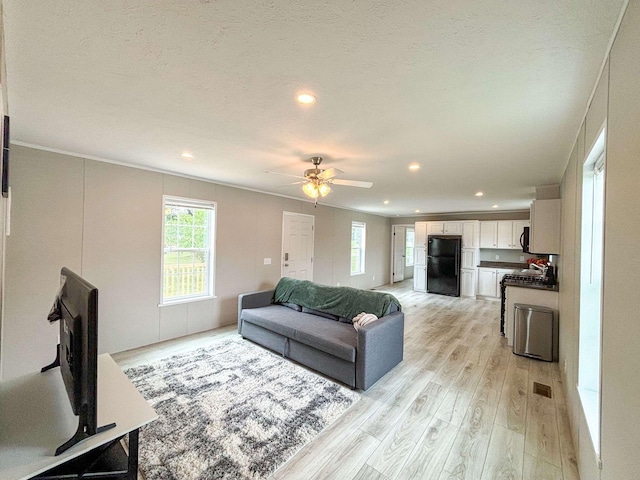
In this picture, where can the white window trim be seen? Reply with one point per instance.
(590, 398)
(409, 260)
(362, 225)
(195, 203)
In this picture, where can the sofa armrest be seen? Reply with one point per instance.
(380, 346)
(262, 298)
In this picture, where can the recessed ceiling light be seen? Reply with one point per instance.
(417, 211)
(306, 98)
(494, 206)
(479, 194)
(186, 155)
(414, 166)
(386, 202)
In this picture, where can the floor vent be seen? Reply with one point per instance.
(541, 389)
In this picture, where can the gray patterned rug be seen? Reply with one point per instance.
(231, 411)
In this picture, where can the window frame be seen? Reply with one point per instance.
(362, 247)
(409, 258)
(591, 294)
(173, 200)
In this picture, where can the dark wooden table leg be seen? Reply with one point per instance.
(133, 455)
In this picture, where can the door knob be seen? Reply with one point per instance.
(286, 264)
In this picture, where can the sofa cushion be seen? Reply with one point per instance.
(329, 336)
(292, 306)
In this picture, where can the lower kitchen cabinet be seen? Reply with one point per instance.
(467, 282)
(489, 281)
(420, 278)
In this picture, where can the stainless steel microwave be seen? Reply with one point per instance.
(524, 240)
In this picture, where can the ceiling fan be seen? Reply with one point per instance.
(317, 182)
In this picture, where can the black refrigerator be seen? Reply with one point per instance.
(443, 264)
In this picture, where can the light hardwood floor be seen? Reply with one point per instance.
(460, 405)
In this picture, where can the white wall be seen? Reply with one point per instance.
(104, 221)
(616, 100)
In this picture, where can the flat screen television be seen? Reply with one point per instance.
(76, 308)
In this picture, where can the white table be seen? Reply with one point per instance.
(36, 417)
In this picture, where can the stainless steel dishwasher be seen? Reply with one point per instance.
(535, 332)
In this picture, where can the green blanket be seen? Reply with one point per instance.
(342, 301)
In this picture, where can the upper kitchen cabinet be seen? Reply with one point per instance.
(508, 233)
(518, 230)
(444, 228)
(471, 234)
(488, 234)
(544, 235)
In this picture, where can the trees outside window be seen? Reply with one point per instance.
(188, 253)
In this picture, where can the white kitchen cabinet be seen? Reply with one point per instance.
(471, 234)
(505, 234)
(544, 236)
(420, 257)
(487, 282)
(469, 259)
(488, 234)
(435, 228)
(518, 229)
(420, 238)
(468, 282)
(420, 278)
(452, 228)
(444, 228)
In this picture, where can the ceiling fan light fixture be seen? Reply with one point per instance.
(310, 189)
(324, 189)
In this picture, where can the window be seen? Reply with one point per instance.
(409, 245)
(358, 236)
(591, 274)
(188, 256)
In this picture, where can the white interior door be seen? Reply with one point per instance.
(297, 245)
(399, 251)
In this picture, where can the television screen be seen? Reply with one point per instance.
(76, 308)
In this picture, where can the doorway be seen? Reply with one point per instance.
(297, 245)
(402, 244)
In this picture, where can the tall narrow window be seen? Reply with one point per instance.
(358, 236)
(591, 274)
(409, 246)
(188, 253)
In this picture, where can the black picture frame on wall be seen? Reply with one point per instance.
(5, 157)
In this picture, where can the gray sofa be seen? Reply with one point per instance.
(325, 339)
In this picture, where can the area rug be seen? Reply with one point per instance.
(232, 410)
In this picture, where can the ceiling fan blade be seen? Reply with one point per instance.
(330, 173)
(352, 183)
(294, 183)
(285, 174)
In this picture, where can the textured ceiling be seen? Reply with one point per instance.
(483, 95)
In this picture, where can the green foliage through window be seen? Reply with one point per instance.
(187, 249)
